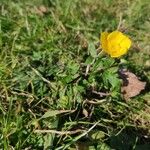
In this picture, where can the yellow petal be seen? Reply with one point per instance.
(119, 53)
(125, 42)
(103, 40)
(114, 50)
(115, 37)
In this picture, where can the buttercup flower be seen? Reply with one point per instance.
(115, 43)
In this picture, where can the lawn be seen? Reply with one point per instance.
(59, 90)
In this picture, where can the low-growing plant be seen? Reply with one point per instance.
(62, 86)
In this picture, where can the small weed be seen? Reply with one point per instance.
(57, 90)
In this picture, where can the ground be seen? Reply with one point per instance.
(57, 89)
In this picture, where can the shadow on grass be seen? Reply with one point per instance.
(130, 139)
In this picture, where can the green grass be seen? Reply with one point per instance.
(46, 97)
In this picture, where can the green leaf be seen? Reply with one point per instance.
(89, 60)
(98, 64)
(73, 67)
(111, 78)
(100, 146)
(103, 146)
(108, 62)
(51, 113)
(97, 135)
(48, 140)
(92, 50)
(63, 102)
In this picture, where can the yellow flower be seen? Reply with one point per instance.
(115, 43)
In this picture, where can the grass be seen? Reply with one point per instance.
(47, 98)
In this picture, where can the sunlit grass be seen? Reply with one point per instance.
(44, 59)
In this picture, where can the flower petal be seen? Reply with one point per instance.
(103, 40)
(119, 53)
(125, 42)
(115, 37)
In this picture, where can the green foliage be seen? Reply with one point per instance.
(55, 79)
